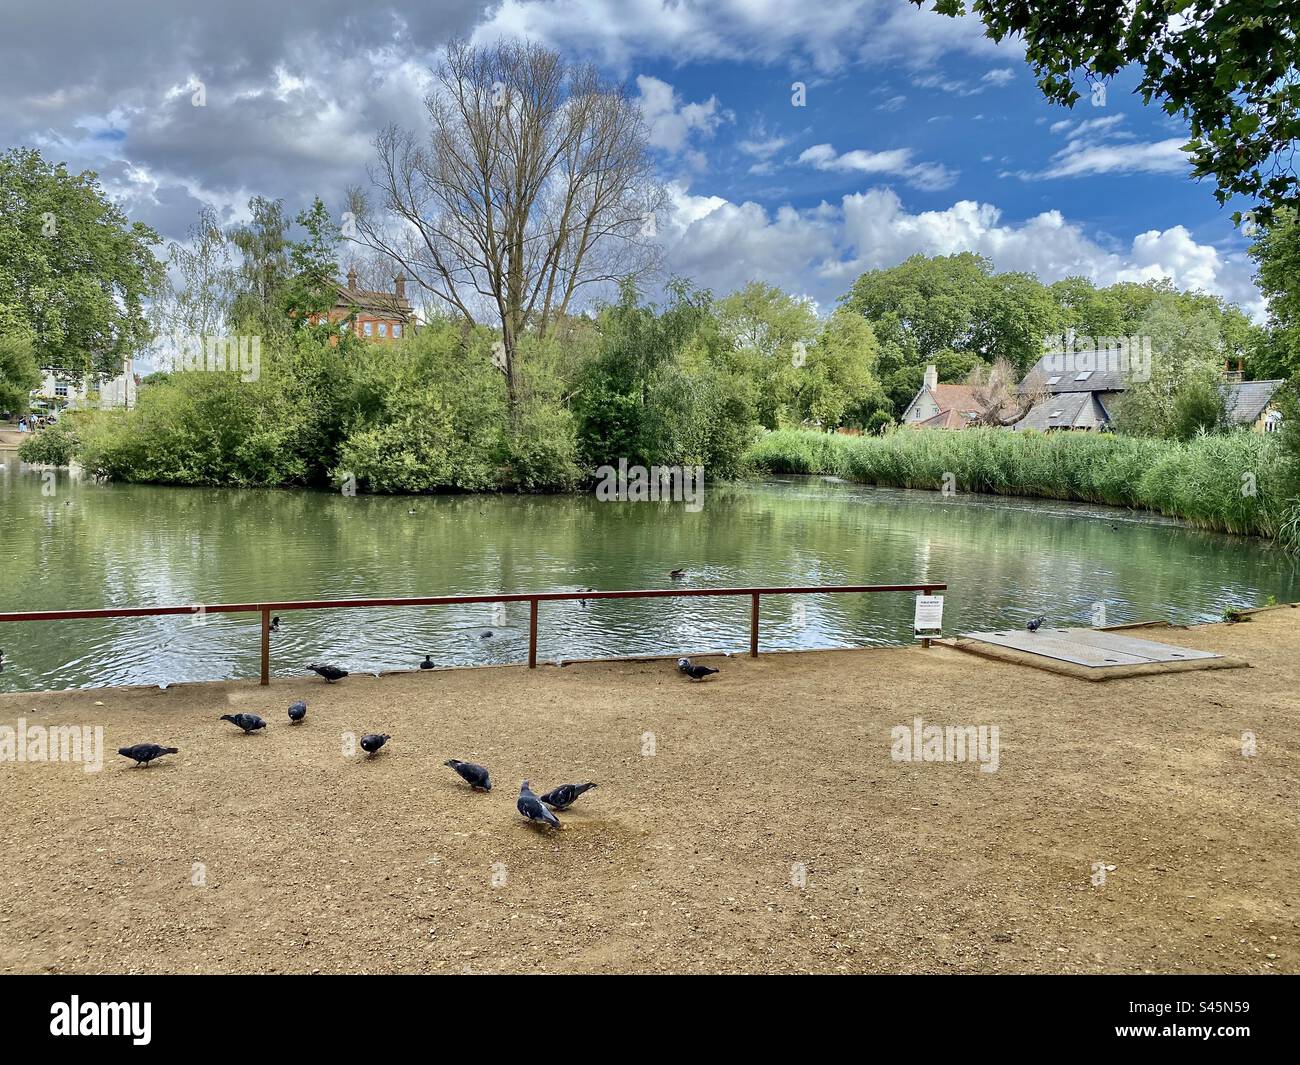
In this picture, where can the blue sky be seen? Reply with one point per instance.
(918, 135)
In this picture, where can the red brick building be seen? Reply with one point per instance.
(380, 316)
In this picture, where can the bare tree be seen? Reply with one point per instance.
(998, 396)
(533, 181)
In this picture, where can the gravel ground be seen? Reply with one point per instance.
(754, 822)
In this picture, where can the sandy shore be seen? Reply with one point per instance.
(275, 852)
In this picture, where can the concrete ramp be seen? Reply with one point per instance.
(1091, 654)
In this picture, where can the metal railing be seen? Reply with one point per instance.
(533, 599)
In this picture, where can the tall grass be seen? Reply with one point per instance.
(1227, 482)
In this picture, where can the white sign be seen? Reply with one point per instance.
(929, 614)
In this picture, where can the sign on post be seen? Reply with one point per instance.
(928, 622)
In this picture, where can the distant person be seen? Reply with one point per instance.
(22, 426)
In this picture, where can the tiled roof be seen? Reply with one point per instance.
(385, 303)
(1245, 401)
(1056, 373)
(1068, 410)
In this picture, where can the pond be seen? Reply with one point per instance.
(70, 543)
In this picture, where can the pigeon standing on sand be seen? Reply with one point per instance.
(144, 753)
(476, 776)
(1033, 624)
(531, 807)
(248, 722)
(373, 741)
(330, 673)
(683, 664)
(427, 663)
(297, 711)
(565, 795)
(697, 672)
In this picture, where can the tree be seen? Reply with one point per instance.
(200, 305)
(769, 333)
(837, 383)
(74, 273)
(263, 245)
(309, 291)
(533, 183)
(1227, 66)
(18, 374)
(1276, 252)
(996, 391)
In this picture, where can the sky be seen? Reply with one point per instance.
(916, 134)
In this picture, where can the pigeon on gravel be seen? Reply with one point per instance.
(297, 711)
(565, 795)
(372, 742)
(144, 753)
(330, 673)
(248, 722)
(1033, 625)
(697, 672)
(427, 663)
(531, 807)
(476, 776)
(683, 664)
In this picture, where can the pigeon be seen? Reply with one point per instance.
(476, 776)
(683, 665)
(1032, 625)
(275, 623)
(531, 807)
(330, 673)
(698, 672)
(248, 722)
(427, 663)
(565, 795)
(297, 711)
(371, 743)
(677, 574)
(144, 753)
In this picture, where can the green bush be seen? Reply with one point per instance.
(53, 446)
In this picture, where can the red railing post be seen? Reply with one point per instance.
(753, 626)
(266, 646)
(532, 634)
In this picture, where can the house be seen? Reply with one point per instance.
(1253, 403)
(939, 406)
(1076, 395)
(380, 316)
(60, 388)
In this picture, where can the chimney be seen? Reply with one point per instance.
(352, 280)
(399, 286)
(931, 377)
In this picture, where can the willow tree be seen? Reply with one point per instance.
(531, 183)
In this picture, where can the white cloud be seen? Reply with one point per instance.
(1102, 146)
(821, 250)
(670, 121)
(999, 76)
(896, 161)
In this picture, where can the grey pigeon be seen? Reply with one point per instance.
(531, 807)
(427, 663)
(683, 664)
(565, 795)
(698, 672)
(476, 776)
(144, 753)
(248, 722)
(373, 741)
(297, 711)
(1033, 625)
(330, 673)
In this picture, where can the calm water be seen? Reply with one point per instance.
(68, 543)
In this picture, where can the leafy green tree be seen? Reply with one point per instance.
(309, 291)
(18, 374)
(770, 334)
(1276, 252)
(1227, 66)
(837, 383)
(263, 245)
(74, 272)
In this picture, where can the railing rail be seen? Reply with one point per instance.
(533, 599)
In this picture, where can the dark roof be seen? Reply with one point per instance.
(1061, 373)
(1066, 410)
(384, 303)
(1245, 401)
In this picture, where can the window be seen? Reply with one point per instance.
(1057, 414)
(397, 329)
(61, 391)
(1083, 375)
(1054, 380)
(368, 328)
(383, 329)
